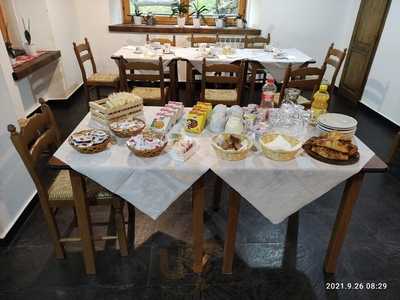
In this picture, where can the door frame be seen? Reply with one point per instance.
(343, 91)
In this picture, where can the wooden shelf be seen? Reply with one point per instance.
(173, 29)
(30, 67)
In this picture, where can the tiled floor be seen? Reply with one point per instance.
(272, 262)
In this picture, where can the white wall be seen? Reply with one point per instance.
(382, 90)
(310, 25)
(53, 27)
(16, 187)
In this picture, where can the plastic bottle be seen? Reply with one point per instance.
(268, 92)
(320, 103)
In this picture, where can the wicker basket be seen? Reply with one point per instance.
(148, 153)
(92, 149)
(101, 113)
(231, 155)
(279, 155)
(127, 133)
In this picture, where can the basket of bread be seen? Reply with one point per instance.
(333, 148)
(231, 146)
(90, 141)
(279, 147)
(147, 144)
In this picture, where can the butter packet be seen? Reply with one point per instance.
(161, 124)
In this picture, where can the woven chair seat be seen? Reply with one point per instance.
(103, 77)
(151, 93)
(220, 95)
(61, 190)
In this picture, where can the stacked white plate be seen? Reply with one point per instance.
(337, 122)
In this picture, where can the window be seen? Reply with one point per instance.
(161, 9)
(217, 7)
(156, 7)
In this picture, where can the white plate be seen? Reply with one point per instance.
(332, 129)
(341, 131)
(337, 121)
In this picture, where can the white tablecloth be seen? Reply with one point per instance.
(276, 189)
(275, 66)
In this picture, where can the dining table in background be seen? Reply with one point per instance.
(275, 65)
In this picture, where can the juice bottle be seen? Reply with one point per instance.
(320, 103)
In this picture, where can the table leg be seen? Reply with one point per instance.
(83, 217)
(198, 225)
(349, 198)
(230, 236)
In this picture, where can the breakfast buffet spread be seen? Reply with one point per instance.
(235, 132)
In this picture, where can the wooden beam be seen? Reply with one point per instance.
(3, 24)
(126, 11)
(242, 7)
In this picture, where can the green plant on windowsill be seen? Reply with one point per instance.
(137, 17)
(198, 13)
(180, 11)
(241, 22)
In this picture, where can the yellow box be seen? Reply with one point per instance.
(195, 122)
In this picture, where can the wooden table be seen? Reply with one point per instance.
(349, 198)
(83, 218)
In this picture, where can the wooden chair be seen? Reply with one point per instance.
(222, 74)
(257, 42)
(334, 58)
(305, 79)
(144, 72)
(257, 72)
(394, 149)
(39, 135)
(97, 80)
(195, 41)
(162, 41)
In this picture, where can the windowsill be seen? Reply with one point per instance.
(182, 30)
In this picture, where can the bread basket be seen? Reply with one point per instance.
(232, 155)
(279, 155)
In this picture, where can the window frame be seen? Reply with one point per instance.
(167, 20)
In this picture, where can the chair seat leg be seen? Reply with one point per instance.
(120, 227)
(131, 225)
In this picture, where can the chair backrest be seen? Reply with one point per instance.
(162, 41)
(257, 42)
(141, 71)
(305, 79)
(38, 134)
(84, 53)
(334, 58)
(223, 74)
(195, 41)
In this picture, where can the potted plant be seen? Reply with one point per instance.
(198, 14)
(220, 21)
(137, 17)
(28, 46)
(180, 11)
(241, 21)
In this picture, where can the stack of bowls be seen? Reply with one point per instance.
(329, 122)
